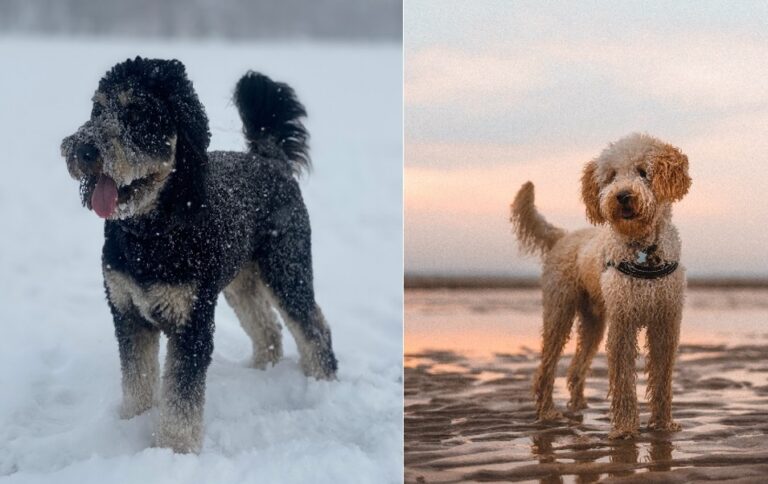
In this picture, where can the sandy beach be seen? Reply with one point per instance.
(469, 415)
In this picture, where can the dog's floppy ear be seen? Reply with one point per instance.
(186, 192)
(590, 193)
(669, 174)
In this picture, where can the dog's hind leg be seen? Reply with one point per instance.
(305, 321)
(285, 261)
(252, 302)
(590, 333)
(662, 339)
(559, 300)
(313, 339)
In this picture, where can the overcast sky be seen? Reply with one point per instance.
(497, 93)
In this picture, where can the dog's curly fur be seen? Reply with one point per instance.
(628, 191)
(184, 224)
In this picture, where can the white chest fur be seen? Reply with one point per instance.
(164, 305)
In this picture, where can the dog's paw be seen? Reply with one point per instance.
(319, 363)
(623, 434)
(179, 426)
(181, 437)
(267, 357)
(550, 415)
(130, 408)
(668, 426)
(577, 404)
(179, 443)
(317, 371)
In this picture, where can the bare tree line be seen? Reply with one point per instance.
(232, 19)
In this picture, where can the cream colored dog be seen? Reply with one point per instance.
(623, 274)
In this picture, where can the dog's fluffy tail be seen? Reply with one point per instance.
(536, 235)
(271, 112)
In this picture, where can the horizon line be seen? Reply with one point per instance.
(491, 281)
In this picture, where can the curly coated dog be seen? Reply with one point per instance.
(623, 274)
(183, 224)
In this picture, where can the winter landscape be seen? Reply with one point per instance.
(59, 370)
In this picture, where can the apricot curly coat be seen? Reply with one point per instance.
(628, 191)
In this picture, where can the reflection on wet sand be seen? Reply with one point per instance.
(471, 418)
(467, 421)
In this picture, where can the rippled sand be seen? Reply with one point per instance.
(469, 414)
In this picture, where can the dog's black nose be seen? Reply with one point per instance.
(623, 197)
(87, 153)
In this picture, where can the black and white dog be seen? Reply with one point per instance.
(183, 224)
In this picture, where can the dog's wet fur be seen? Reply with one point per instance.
(628, 191)
(188, 224)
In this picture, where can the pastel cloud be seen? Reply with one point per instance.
(509, 105)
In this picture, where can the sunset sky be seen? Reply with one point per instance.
(498, 93)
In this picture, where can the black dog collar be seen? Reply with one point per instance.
(644, 272)
(645, 266)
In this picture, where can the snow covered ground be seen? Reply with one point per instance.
(59, 371)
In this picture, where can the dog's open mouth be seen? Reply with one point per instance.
(101, 193)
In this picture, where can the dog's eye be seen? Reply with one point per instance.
(134, 116)
(611, 175)
(642, 172)
(135, 113)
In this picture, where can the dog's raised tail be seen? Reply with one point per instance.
(536, 235)
(271, 112)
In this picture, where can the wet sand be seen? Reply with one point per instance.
(469, 415)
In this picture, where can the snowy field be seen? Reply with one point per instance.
(59, 370)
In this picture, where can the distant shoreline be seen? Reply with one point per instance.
(511, 282)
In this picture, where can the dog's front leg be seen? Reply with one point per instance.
(662, 340)
(622, 354)
(138, 343)
(190, 346)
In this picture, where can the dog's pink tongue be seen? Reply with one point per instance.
(104, 198)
